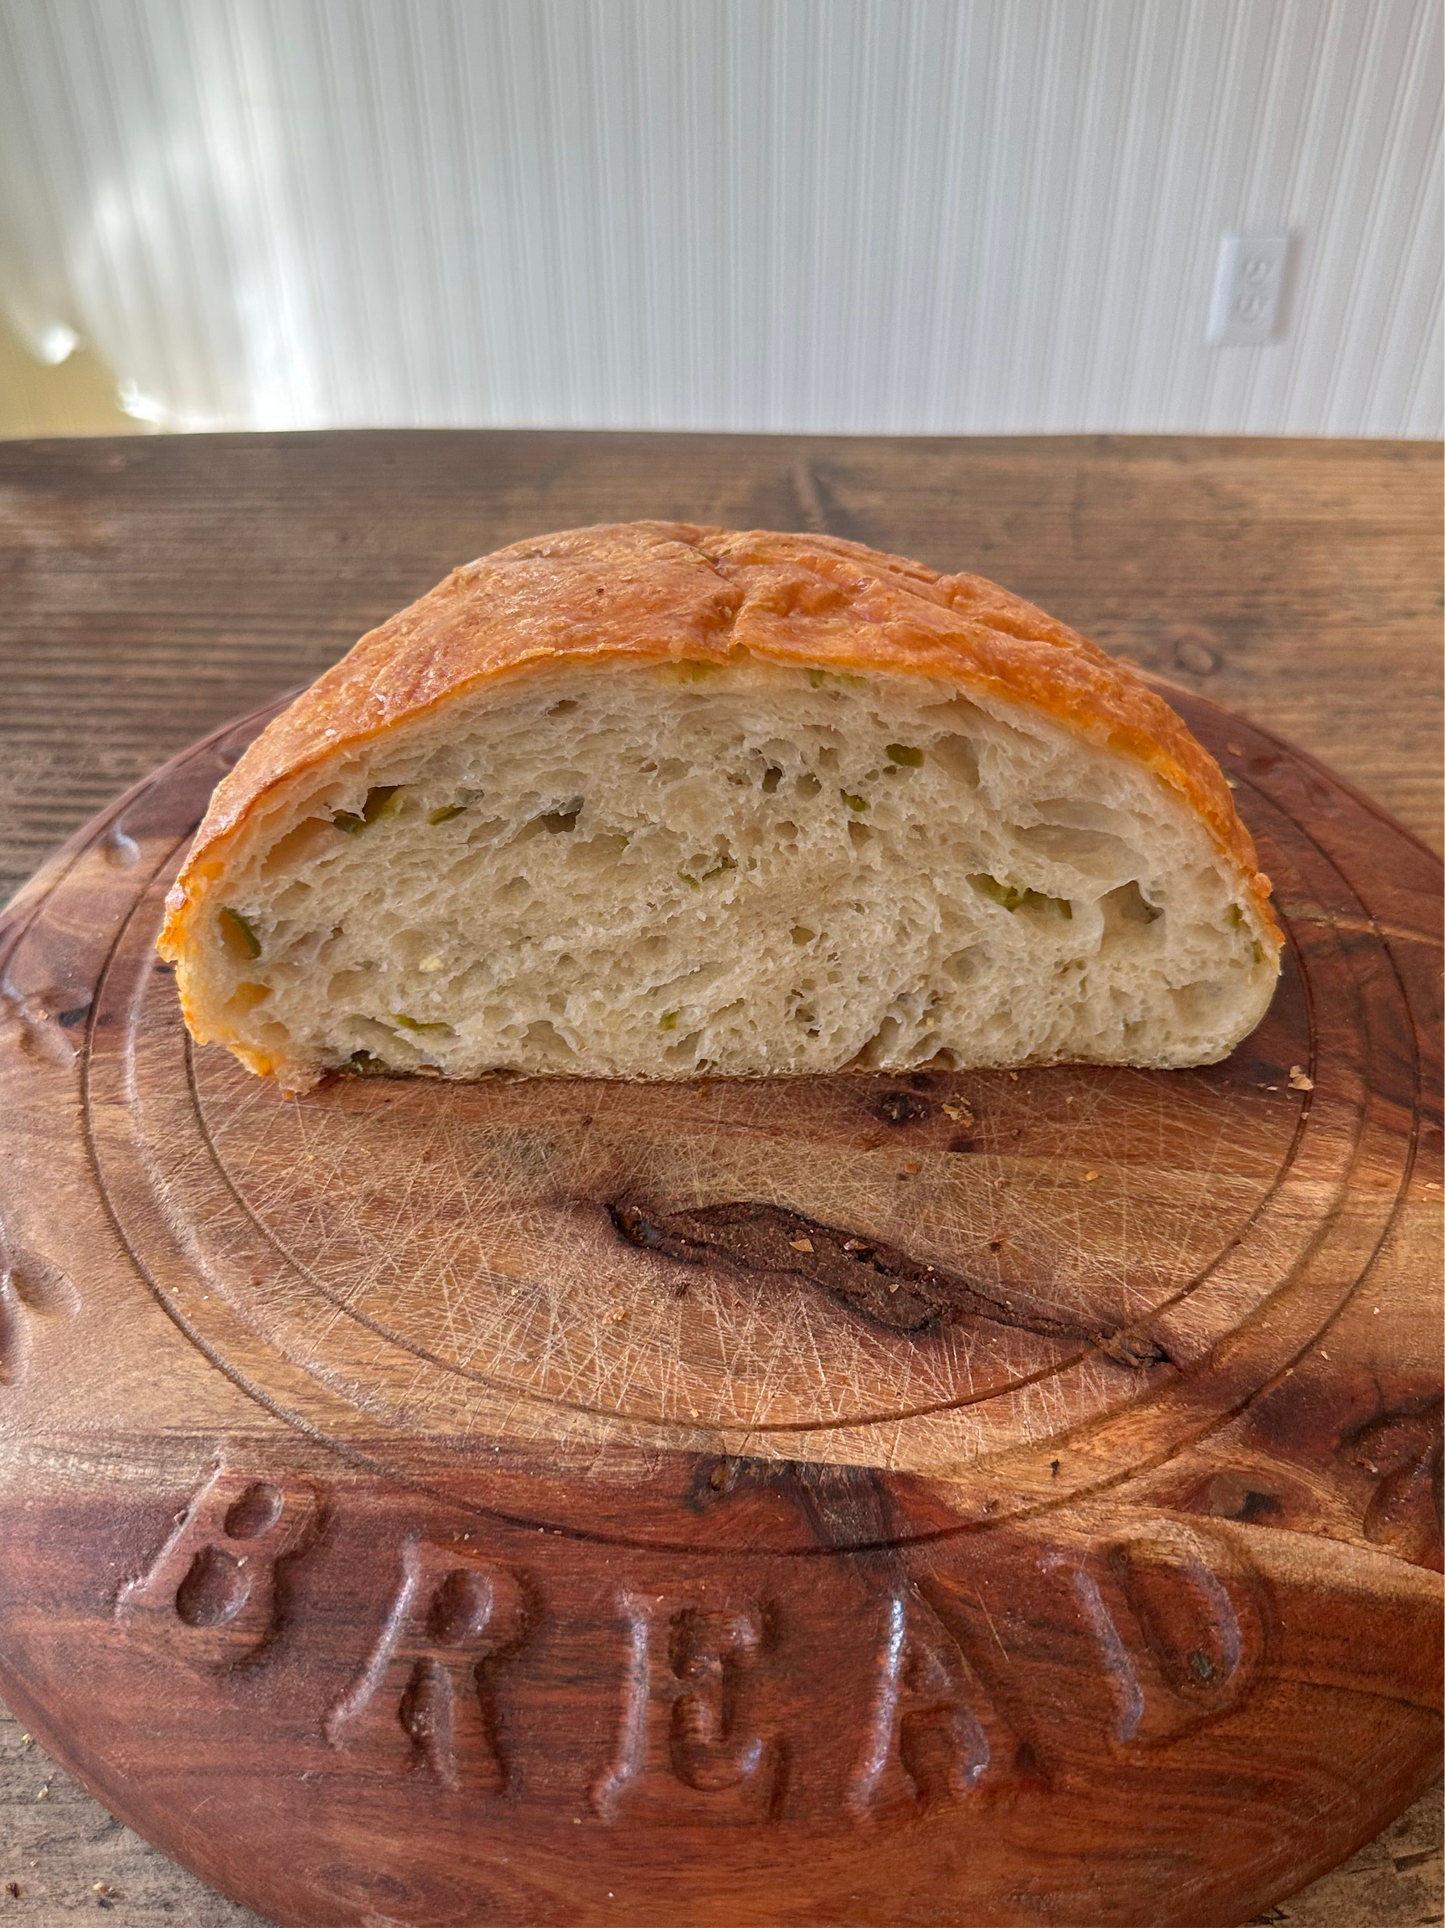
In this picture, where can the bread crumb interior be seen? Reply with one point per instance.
(679, 870)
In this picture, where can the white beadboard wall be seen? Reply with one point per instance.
(868, 215)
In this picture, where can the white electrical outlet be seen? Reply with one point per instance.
(1248, 282)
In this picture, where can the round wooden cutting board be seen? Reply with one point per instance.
(976, 1498)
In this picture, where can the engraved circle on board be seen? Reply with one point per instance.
(429, 1254)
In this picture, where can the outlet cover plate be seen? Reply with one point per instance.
(1248, 287)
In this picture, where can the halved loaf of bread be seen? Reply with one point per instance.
(656, 801)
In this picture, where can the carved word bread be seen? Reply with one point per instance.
(656, 801)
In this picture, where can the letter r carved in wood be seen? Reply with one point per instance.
(425, 1698)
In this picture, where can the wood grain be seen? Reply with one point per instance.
(69, 1858)
(312, 524)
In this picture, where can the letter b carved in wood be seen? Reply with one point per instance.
(212, 1595)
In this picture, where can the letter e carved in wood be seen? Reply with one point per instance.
(1177, 1614)
(425, 1698)
(687, 1747)
(212, 1594)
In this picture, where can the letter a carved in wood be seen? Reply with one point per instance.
(933, 1730)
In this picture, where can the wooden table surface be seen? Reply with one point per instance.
(155, 587)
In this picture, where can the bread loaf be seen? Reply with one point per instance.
(658, 801)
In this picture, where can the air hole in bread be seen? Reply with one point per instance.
(959, 758)
(1096, 853)
(542, 1037)
(1128, 906)
(963, 966)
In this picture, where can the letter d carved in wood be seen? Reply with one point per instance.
(688, 1749)
(212, 1595)
(1177, 1614)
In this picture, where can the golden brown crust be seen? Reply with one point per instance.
(659, 591)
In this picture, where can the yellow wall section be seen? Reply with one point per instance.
(73, 397)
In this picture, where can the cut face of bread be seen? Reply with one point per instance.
(644, 869)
